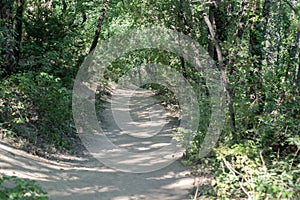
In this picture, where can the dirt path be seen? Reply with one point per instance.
(85, 178)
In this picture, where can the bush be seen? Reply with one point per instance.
(243, 173)
(20, 189)
(36, 109)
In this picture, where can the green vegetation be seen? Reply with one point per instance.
(36, 112)
(255, 44)
(13, 188)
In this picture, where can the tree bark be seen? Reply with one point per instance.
(240, 30)
(99, 26)
(18, 28)
(222, 69)
(7, 46)
(258, 26)
(186, 30)
(297, 74)
(295, 50)
(210, 45)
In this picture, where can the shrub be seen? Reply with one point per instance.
(36, 109)
(20, 189)
(243, 173)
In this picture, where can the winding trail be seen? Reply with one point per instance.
(86, 178)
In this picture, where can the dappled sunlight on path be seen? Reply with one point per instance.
(87, 178)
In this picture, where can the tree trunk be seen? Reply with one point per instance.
(185, 28)
(210, 45)
(240, 30)
(222, 69)
(99, 26)
(18, 28)
(7, 40)
(258, 26)
(295, 50)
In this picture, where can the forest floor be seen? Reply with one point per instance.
(85, 177)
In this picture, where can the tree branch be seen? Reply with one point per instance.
(99, 26)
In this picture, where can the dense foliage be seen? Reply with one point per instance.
(254, 43)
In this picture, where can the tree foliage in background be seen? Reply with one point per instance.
(255, 45)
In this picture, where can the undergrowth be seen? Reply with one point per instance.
(13, 188)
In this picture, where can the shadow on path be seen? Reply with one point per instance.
(85, 178)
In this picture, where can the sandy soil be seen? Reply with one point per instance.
(86, 178)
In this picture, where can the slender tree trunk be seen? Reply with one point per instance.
(18, 28)
(7, 40)
(240, 30)
(99, 26)
(222, 69)
(297, 74)
(220, 21)
(211, 47)
(185, 28)
(258, 26)
(295, 50)
(297, 46)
